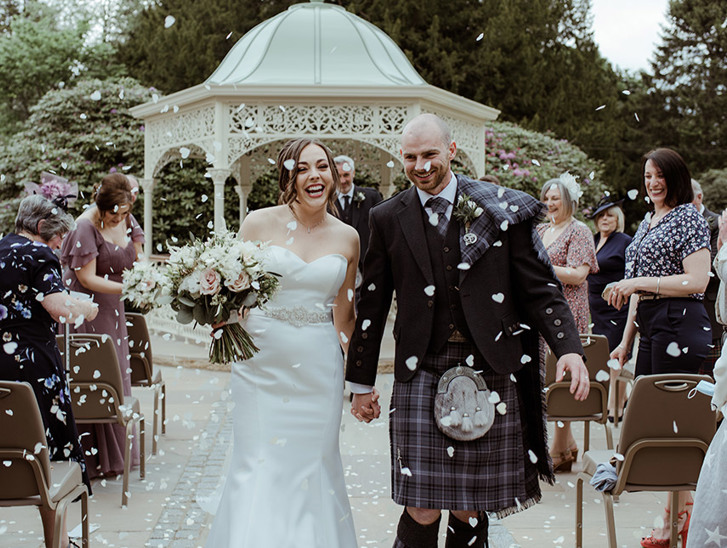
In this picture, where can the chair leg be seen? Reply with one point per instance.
(609, 436)
(674, 516)
(164, 407)
(610, 520)
(142, 448)
(586, 435)
(84, 518)
(155, 420)
(127, 463)
(579, 512)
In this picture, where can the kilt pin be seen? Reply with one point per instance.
(480, 303)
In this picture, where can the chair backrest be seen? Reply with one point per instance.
(666, 428)
(560, 401)
(95, 378)
(22, 442)
(140, 356)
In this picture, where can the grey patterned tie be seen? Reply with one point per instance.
(439, 206)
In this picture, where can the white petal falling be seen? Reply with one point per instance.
(427, 166)
(390, 163)
(289, 164)
(498, 298)
(434, 219)
(614, 364)
(632, 194)
(533, 456)
(450, 451)
(429, 290)
(600, 108)
(525, 359)
(96, 96)
(470, 360)
(480, 36)
(673, 349)
(365, 325)
(169, 20)
(602, 376)
(411, 362)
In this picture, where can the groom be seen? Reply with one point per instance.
(476, 292)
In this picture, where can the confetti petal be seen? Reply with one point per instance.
(169, 20)
(289, 164)
(429, 290)
(498, 298)
(411, 362)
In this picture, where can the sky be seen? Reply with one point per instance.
(626, 31)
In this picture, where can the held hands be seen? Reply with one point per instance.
(573, 363)
(365, 407)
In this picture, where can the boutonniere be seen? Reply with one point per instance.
(358, 197)
(466, 211)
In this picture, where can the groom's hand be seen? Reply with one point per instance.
(580, 383)
(365, 407)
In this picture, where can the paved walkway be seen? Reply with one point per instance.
(168, 508)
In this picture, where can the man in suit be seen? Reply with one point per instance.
(354, 203)
(472, 291)
(710, 295)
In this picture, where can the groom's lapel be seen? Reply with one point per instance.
(412, 226)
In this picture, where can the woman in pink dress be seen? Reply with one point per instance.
(570, 247)
(106, 241)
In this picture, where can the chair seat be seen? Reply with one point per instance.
(64, 478)
(591, 459)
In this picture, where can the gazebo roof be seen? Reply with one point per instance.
(313, 44)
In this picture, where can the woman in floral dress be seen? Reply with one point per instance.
(32, 298)
(570, 247)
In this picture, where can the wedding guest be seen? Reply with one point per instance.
(354, 203)
(667, 270)
(95, 255)
(569, 244)
(32, 298)
(611, 244)
(710, 294)
(710, 500)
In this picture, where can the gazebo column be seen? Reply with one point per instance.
(219, 176)
(244, 184)
(147, 185)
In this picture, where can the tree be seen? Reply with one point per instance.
(688, 89)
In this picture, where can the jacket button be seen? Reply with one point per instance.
(548, 310)
(360, 348)
(364, 335)
(557, 323)
(430, 304)
(359, 362)
(560, 335)
(449, 267)
(451, 326)
(446, 250)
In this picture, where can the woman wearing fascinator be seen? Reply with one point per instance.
(611, 244)
(569, 244)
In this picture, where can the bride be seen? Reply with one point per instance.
(285, 487)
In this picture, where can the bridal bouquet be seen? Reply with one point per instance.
(210, 280)
(145, 286)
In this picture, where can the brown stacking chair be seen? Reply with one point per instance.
(98, 396)
(27, 476)
(559, 401)
(665, 433)
(143, 373)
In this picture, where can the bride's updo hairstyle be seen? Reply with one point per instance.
(288, 171)
(113, 192)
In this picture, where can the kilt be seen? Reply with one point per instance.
(429, 470)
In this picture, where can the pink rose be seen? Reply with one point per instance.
(240, 284)
(210, 282)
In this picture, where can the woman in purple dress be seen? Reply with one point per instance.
(611, 244)
(95, 254)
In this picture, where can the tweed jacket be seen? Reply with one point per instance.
(508, 289)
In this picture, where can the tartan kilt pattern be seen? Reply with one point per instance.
(429, 470)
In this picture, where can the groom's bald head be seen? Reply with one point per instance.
(429, 123)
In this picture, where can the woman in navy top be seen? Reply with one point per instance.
(611, 244)
(667, 271)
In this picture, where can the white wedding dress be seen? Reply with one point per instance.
(285, 487)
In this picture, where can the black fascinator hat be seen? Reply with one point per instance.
(605, 203)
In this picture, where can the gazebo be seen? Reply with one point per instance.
(314, 69)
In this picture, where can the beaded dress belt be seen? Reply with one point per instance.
(297, 315)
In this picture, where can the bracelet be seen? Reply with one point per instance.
(658, 283)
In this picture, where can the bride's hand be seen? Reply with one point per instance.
(365, 407)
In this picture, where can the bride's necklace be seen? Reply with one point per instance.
(308, 228)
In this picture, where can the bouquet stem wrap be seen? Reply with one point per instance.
(231, 343)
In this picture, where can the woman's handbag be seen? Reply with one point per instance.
(462, 407)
